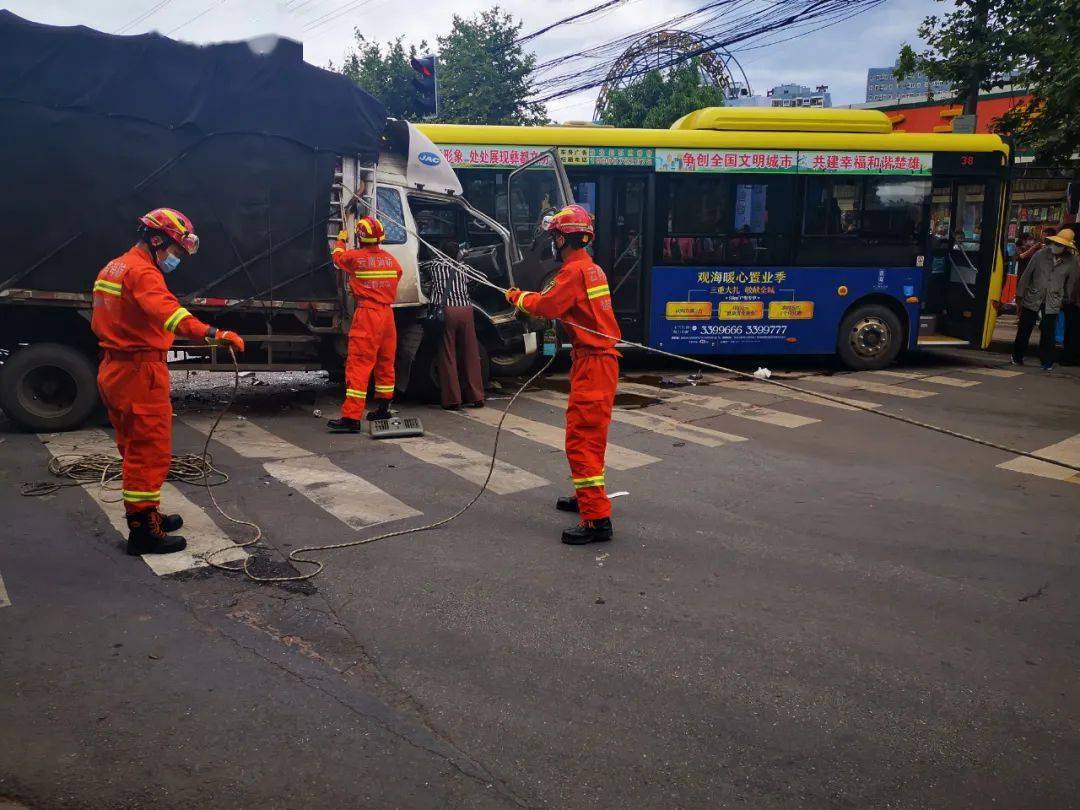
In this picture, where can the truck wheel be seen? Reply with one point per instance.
(515, 364)
(425, 376)
(49, 387)
(870, 338)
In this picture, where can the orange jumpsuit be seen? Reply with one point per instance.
(580, 295)
(136, 319)
(373, 278)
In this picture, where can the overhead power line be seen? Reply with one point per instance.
(150, 12)
(721, 23)
(571, 19)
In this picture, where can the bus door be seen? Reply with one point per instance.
(535, 191)
(963, 228)
(617, 203)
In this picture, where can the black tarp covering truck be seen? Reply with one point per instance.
(267, 154)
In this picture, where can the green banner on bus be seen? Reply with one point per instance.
(505, 156)
(764, 161)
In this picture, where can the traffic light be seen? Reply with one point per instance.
(426, 83)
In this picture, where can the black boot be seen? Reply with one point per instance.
(171, 523)
(567, 503)
(146, 535)
(382, 411)
(344, 425)
(588, 531)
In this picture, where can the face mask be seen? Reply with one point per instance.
(554, 249)
(1057, 250)
(169, 263)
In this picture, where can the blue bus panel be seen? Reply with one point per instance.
(767, 310)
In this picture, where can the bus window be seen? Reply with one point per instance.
(832, 206)
(864, 221)
(718, 220)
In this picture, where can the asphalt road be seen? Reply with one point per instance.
(804, 606)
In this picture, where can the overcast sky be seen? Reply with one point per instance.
(837, 56)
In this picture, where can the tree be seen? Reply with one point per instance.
(483, 75)
(657, 101)
(984, 44)
(386, 74)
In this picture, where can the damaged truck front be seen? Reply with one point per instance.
(268, 155)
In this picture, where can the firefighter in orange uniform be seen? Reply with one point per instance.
(136, 319)
(373, 278)
(580, 295)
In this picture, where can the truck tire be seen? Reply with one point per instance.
(424, 384)
(515, 364)
(870, 338)
(49, 387)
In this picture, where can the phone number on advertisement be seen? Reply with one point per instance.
(759, 330)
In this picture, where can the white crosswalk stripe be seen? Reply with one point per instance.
(353, 500)
(5, 600)
(937, 379)
(784, 393)
(1067, 451)
(655, 423)
(469, 464)
(618, 458)
(861, 384)
(1001, 373)
(202, 533)
(741, 410)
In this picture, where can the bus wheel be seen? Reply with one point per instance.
(870, 338)
(48, 387)
(515, 364)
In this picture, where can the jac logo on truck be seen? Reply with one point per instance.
(429, 158)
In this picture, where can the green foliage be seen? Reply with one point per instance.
(483, 75)
(657, 101)
(1028, 43)
(386, 74)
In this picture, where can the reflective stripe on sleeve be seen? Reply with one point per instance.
(107, 287)
(521, 302)
(175, 318)
(598, 291)
(133, 496)
(592, 481)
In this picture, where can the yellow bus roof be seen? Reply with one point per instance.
(733, 128)
(787, 119)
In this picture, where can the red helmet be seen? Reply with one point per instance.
(572, 219)
(369, 231)
(175, 226)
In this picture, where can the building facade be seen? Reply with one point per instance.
(882, 85)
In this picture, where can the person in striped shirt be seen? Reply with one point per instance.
(460, 377)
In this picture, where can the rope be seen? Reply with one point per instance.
(474, 275)
(295, 556)
(104, 469)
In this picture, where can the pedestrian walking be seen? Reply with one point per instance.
(460, 377)
(373, 279)
(1042, 289)
(580, 297)
(136, 319)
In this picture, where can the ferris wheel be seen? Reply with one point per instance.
(664, 50)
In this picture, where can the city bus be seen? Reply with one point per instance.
(763, 231)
